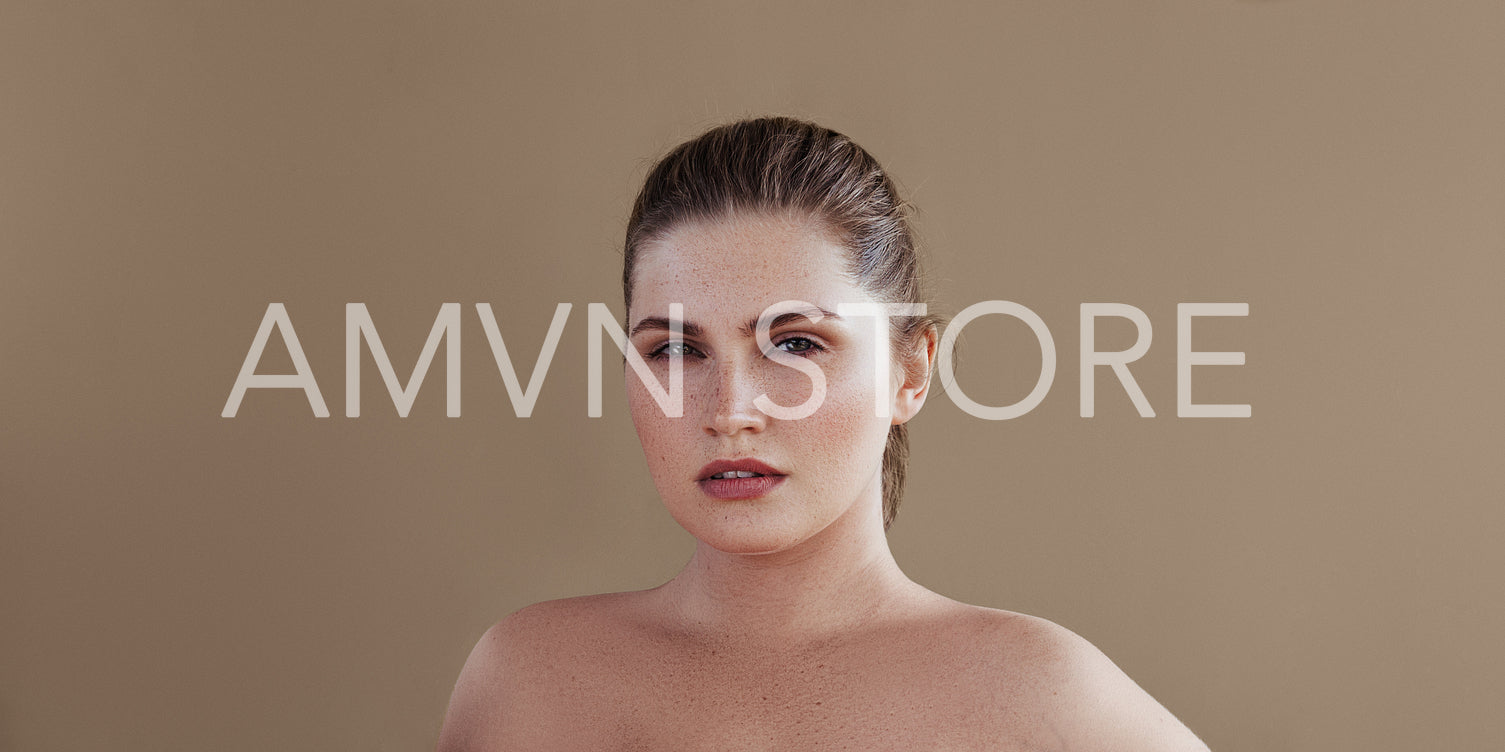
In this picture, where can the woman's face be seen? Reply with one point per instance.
(808, 472)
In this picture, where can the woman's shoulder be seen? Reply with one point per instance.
(1048, 650)
(554, 630)
(581, 612)
(507, 694)
(1067, 682)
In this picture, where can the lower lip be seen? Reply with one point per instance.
(740, 488)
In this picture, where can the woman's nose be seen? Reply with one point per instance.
(733, 410)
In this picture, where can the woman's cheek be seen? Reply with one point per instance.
(850, 387)
(655, 430)
(786, 386)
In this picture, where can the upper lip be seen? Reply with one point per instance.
(749, 465)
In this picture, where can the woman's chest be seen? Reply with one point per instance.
(815, 699)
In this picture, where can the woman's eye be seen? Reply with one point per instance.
(672, 350)
(798, 346)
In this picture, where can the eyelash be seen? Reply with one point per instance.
(661, 352)
(814, 347)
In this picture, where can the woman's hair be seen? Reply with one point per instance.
(778, 165)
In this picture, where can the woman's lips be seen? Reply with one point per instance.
(740, 488)
(738, 479)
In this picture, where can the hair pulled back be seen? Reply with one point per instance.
(777, 165)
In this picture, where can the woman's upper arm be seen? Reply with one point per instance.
(473, 718)
(1092, 704)
(507, 695)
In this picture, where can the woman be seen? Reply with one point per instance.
(791, 627)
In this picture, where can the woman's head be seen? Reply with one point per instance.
(813, 182)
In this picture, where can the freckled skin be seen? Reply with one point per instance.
(791, 627)
(725, 275)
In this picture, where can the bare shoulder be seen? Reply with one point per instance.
(509, 693)
(543, 635)
(1063, 685)
(541, 625)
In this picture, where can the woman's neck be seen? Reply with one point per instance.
(831, 583)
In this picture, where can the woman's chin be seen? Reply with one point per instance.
(744, 531)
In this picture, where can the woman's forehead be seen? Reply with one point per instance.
(742, 263)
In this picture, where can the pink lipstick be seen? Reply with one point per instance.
(738, 479)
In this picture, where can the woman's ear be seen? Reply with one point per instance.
(915, 364)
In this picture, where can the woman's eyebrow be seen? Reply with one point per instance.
(661, 324)
(810, 313)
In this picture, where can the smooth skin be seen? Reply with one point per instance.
(791, 627)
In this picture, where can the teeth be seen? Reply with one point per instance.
(735, 474)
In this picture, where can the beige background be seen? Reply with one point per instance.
(1324, 575)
